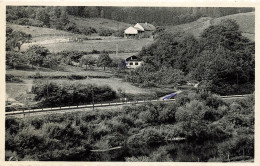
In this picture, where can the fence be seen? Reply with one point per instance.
(83, 106)
(102, 105)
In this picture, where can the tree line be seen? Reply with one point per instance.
(157, 15)
(57, 16)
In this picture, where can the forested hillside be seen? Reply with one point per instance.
(221, 59)
(58, 16)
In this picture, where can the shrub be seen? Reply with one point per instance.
(12, 78)
(119, 33)
(29, 21)
(88, 30)
(148, 136)
(105, 32)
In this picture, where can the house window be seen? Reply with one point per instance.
(131, 63)
(136, 63)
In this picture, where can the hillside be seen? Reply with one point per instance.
(99, 23)
(40, 34)
(58, 40)
(246, 22)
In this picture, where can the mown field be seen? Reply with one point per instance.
(246, 22)
(124, 45)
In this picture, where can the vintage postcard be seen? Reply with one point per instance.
(102, 83)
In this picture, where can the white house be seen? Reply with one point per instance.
(133, 62)
(139, 29)
(131, 31)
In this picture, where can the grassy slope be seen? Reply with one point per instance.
(41, 34)
(99, 23)
(124, 45)
(246, 22)
(57, 40)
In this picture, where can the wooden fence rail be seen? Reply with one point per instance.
(38, 110)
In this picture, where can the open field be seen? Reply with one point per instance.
(124, 45)
(246, 22)
(99, 23)
(58, 40)
(40, 34)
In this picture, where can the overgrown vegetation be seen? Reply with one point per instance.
(143, 131)
(52, 94)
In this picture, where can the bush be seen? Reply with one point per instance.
(88, 30)
(105, 32)
(12, 78)
(119, 33)
(149, 136)
(29, 21)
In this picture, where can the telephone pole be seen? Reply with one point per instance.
(93, 102)
(116, 49)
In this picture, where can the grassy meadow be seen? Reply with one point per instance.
(124, 45)
(245, 21)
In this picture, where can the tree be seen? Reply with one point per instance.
(122, 65)
(43, 16)
(104, 60)
(225, 64)
(14, 58)
(15, 39)
(36, 55)
(89, 61)
(51, 61)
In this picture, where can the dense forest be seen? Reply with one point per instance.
(158, 16)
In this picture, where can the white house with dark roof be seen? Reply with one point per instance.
(139, 30)
(133, 62)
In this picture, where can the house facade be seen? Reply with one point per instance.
(133, 62)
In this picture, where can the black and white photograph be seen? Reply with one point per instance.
(129, 83)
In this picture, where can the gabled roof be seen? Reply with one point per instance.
(133, 58)
(147, 26)
(131, 30)
(138, 29)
